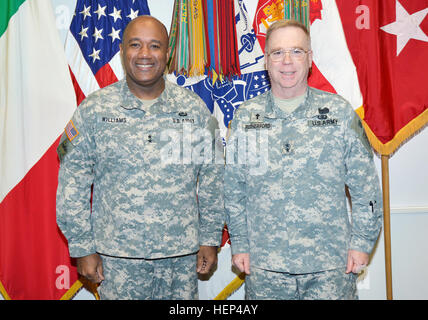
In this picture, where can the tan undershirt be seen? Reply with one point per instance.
(148, 103)
(289, 105)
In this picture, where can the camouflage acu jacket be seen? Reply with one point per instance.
(157, 191)
(285, 184)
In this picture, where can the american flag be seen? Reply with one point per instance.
(71, 130)
(92, 44)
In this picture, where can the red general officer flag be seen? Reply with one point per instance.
(389, 45)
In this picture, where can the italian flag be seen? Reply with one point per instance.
(37, 99)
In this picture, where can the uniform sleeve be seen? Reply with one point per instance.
(364, 187)
(235, 190)
(73, 207)
(210, 190)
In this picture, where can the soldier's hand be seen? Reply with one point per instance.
(242, 262)
(357, 261)
(207, 259)
(91, 267)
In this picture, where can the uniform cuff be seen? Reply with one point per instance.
(81, 249)
(239, 246)
(361, 244)
(212, 239)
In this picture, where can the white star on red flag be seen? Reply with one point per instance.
(406, 26)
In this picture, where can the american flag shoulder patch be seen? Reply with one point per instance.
(71, 131)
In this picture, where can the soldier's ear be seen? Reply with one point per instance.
(168, 54)
(121, 55)
(310, 57)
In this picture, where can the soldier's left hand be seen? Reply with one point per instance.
(207, 259)
(357, 261)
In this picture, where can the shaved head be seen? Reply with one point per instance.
(145, 53)
(150, 20)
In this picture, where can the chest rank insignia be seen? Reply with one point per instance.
(287, 148)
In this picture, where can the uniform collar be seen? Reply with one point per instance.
(131, 102)
(304, 110)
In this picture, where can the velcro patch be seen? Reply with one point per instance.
(71, 131)
(261, 125)
(323, 123)
(64, 147)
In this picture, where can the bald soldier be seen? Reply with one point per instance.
(157, 209)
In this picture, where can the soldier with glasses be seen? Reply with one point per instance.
(291, 152)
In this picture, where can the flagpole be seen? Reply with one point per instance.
(387, 225)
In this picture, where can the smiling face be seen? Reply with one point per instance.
(289, 77)
(144, 52)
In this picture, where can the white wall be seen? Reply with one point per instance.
(408, 192)
(408, 179)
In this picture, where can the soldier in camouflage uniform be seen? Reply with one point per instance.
(290, 153)
(147, 147)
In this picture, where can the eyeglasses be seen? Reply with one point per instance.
(295, 54)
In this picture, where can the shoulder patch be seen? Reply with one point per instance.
(71, 131)
(357, 126)
(64, 147)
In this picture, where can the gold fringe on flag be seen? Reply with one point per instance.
(78, 285)
(74, 289)
(3, 292)
(234, 285)
(408, 131)
(70, 294)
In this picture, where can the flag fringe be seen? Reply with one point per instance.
(74, 289)
(234, 285)
(4, 292)
(77, 286)
(406, 133)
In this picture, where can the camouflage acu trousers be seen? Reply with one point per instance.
(155, 279)
(326, 285)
